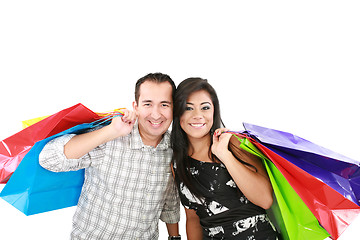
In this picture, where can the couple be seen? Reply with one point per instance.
(129, 183)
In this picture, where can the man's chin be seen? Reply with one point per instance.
(156, 129)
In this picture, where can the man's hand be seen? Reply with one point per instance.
(84, 143)
(122, 126)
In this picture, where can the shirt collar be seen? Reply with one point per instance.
(137, 143)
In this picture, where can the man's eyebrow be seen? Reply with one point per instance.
(150, 101)
(168, 102)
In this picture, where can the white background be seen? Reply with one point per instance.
(291, 66)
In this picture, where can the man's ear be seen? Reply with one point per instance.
(135, 106)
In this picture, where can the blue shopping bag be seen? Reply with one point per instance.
(33, 189)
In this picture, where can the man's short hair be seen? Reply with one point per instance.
(153, 77)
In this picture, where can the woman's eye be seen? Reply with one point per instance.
(188, 108)
(206, 108)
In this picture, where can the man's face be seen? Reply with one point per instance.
(155, 111)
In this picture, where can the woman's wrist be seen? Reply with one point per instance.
(224, 156)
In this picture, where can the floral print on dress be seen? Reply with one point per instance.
(220, 204)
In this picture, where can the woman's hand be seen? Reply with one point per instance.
(255, 185)
(220, 143)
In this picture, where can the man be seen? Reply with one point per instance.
(128, 182)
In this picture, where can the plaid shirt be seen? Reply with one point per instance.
(128, 187)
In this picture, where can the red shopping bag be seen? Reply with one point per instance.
(15, 147)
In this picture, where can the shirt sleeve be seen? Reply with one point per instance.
(52, 156)
(171, 210)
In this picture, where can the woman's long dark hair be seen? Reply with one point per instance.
(179, 139)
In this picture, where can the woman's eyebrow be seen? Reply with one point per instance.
(200, 103)
(205, 103)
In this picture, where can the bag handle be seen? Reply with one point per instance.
(107, 118)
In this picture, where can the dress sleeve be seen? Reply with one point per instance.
(52, 156)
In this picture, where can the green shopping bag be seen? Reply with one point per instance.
(293, 217)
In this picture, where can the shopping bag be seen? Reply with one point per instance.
(33, 189)
(293, 218)
(333, 210)
(29, 122)
(337, 171)
(15, 147)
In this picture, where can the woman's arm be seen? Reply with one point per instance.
(255, 184)
(193, 227)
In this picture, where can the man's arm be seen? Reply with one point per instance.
(81, 144)
(173, 229)
(171, 210)
(74, 152)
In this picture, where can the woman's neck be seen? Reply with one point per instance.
(199, 148)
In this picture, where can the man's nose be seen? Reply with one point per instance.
(155, 113)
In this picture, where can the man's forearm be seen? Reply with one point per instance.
(173, 229)
(81, 144)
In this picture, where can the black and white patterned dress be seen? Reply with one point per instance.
(224, 211)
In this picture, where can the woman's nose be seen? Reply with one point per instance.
(197, 114)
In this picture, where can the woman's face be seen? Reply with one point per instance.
(198, 117)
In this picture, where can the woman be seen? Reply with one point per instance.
(224, 192)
